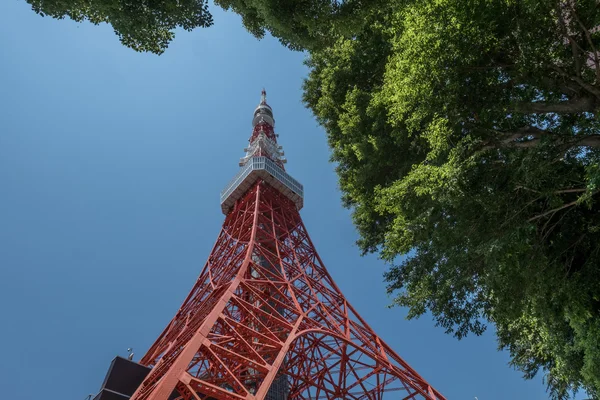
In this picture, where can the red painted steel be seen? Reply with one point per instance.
(264, 305)
(264, 308)
(266, 128)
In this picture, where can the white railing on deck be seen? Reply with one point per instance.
(262, 163)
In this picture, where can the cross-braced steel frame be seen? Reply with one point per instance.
(264, 307)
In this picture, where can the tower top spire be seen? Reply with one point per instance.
(263, 114)
(264, 160)
(263, 96)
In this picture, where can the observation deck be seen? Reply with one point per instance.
(266, 169)
(263, 160)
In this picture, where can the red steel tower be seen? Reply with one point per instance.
(265, 320)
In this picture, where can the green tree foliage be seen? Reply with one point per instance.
(143, 25)
(301, 24)
(466, 135)
(148, 25)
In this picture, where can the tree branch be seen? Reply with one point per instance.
(547, 232)
(574, 45)
(534, 135)
(553, 210)
(589, 140)
(527, 131)
(508, 138)
(576, 60)
(576, 105)
(588, 36)
(585, 140)
(570, 191)
(561, 191)
(584, 85)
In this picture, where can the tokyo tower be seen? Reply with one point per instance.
(265, 320)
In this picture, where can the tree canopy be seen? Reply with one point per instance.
(466, 137)
(301, 24)
(143, 25)
(148, 25)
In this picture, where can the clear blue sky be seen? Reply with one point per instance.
(111, 164)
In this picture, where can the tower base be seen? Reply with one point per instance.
(125, 376)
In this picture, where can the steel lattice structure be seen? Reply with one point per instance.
(265, 320)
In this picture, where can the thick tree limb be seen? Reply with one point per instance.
(576, 105)
(530, 132)
(584, 85)
(508, 138)
(533, 136)
(585, 140)
(588, 36)
(575, 51)
(589, 140)
(575, 48)
(525, 145)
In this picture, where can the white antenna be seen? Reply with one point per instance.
(130, 351)
(263, 96)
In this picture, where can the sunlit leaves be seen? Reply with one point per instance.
(143, 25)
(456, 129)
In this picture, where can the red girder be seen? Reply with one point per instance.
(266, 128)
(264, 305)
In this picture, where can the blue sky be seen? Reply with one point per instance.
(111, 164)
